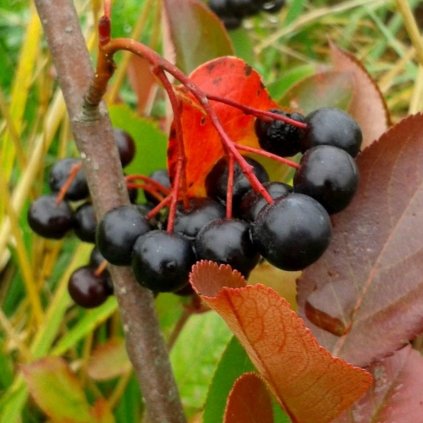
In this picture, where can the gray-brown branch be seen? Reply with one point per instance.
(94, 138)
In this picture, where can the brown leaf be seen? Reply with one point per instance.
(308, 382)
(248, 401)
(367, 104)
(143, 83)
(196, 33)
(109, 360)
(368, 285)
(397, 394)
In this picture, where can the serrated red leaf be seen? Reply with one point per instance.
(308, 382)
(248, 401)
(368, 285)
(397, 394)
(367, 104)
(227, 77)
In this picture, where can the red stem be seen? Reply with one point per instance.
(272, 156)
(75, 168)
(230, 186)
(256, 112)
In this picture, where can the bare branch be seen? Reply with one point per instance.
(94, 139)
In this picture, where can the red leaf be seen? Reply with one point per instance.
(196, 33)
(308, 382)
(368, 286)
(397, 395)
(248, 401)
(227, 77)
(367, 104)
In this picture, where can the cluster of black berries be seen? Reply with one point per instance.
(231, 12)
(291, 233)
(68, 207)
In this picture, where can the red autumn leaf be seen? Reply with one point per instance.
(368, 286)
(308, 382)
(367, 104)
(248, 401)
(227, 77)
(397, 395)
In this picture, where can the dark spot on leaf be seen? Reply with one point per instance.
(248, 70)
(203, 121)
(217, 81)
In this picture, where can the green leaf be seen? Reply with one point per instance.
(196, 33)
(57, 391)
(234, 363)
(243, 44)
(86, 324)
(151, 142)
(195, 356)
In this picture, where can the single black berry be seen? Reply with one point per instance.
(293, 232)
(252, 202)
(279, 137)
(85, 223)
(126, 146)
(330, 126)
(217, 180)
(220, 7)
(162, 177)
(162, 261)
(329, 175)
(117, 233)
(201, 211)
(49, 219)
(87, 289)
(59, 174)
(227, 241)
(243, 8)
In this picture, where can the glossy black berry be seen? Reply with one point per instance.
(59, 174)
(217, 180)
(220, 7)
(273, 6)
(227, 241)
(329, 175)
(85, 223)
(49, 219)
(330, 126)
(293, 232)
(279, 137)
(162, 177)
(117, 233)
(201, 211)
(252, 202)
(87, 289)
(126, 146)
(162, 261)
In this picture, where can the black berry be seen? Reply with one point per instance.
(85, 223)
(329, 126)
(59, 174)
(49, 219)
(162, 261)
(126, 146)
(200, 212)
(279, 137)
(252, 202)
(227, 241)
(117, 233)
(293, 232)
(87, 289)
(329, 175)
(217, 180)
